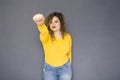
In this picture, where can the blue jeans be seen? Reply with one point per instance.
(57, 73)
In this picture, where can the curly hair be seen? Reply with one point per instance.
(60, 16)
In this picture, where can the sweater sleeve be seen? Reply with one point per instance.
(44, 34)
(70, 54)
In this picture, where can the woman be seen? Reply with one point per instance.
(57, 46)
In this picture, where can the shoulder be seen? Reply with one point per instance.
(67, 35)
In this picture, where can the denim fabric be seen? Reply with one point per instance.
(57, 73)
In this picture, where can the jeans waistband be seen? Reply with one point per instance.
(67, 63)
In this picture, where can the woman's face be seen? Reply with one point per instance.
(55, 24)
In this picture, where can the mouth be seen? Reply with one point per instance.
(53, 27)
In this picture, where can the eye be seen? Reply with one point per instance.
(56, 21)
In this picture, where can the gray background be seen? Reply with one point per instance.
(93, 24)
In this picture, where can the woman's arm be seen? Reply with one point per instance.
(39, 19)
(44, 34)
(70, 53)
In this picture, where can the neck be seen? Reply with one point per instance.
(57, 34)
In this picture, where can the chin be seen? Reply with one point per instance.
(54, 30)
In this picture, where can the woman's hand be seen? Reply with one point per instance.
(38, 19)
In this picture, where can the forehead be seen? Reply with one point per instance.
(55, 18)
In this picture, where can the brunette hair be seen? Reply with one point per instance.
(60, 16)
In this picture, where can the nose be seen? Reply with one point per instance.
(53, 24)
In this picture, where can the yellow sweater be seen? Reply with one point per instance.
(56, 52)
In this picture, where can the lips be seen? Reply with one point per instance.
(53, 27)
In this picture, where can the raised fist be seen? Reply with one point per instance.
(38, 19)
